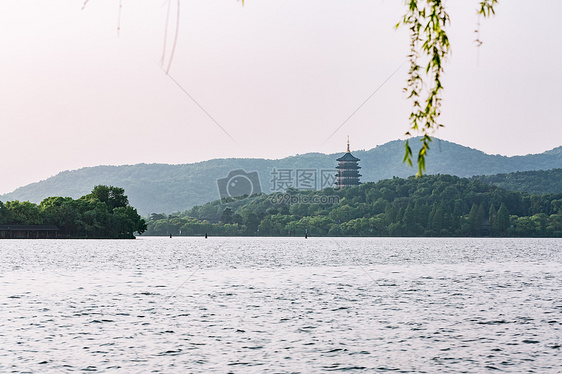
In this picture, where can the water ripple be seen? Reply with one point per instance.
(268, 305)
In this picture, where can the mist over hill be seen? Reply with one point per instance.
(165, 188)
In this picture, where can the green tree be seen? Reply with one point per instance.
(409, 218)
(4, 214)
(86, 217)
(480, 219)
(157, 216)
(24, 213)
(342, 213)
(557, 206)
(554, 227)
(473, 225)
(493, 220)
(438, 218)
(252, 223)
(59, 211)
(525, 227)
(226, 216)
(113, 197)
(541, 221)
(502, 221)
(127, 221)
(421, 213)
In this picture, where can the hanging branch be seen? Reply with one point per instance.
(429, 50)
(165, 43)
(486, 10)
(487, 7)
(175, 42)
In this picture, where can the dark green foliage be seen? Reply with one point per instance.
(227, 216)
(501, 223)
(438, 205)
(536, 181)
(4, 214)
(23, 213)
(113, 197)
(104, 213)
(493, 220)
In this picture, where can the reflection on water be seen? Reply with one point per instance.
(245, 305)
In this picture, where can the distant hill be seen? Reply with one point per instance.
(536, 181)
(167, 188)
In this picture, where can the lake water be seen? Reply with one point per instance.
(281, 305)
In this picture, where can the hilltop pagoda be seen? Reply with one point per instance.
(348, 170)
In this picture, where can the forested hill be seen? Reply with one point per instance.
(173, 188)
(436, 205)
(537, 181)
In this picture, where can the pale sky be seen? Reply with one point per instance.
(278, 76)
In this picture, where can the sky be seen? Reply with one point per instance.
(84, 86)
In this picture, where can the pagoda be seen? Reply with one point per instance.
(348, 170)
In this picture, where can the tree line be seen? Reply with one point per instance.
(104, 213)
(438, 205)
(533, 181)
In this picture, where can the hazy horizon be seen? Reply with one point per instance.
(279, 78)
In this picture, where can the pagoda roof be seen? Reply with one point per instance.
(348, 157)
(348, 166)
